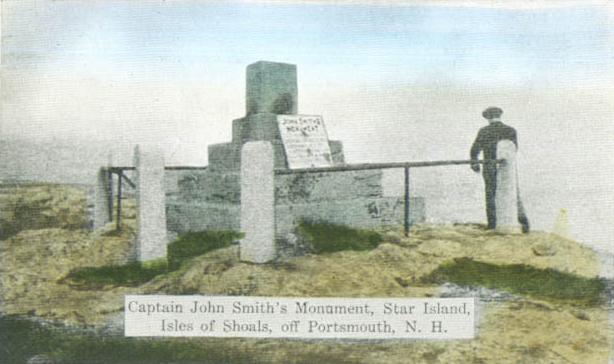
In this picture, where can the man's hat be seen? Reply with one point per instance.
(492, 112)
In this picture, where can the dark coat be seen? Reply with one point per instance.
(489, 136)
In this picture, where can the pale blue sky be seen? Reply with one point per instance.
(103, 69)
(470, 45)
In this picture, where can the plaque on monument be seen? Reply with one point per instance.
(305, 141)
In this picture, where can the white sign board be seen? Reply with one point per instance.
(305, 141)
(300, 317)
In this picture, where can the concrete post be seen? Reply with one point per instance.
(257, 202)
(150, 203)
(102, 211)
(506, 196)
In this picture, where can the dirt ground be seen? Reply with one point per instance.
(35, 260)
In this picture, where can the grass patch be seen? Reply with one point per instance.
(327, 238)
(548, 284)
(131, 275)
(187, 246)
(22, 339)
(193, 244)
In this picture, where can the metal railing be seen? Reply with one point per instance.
(286, 171)
(119, 171)
(405, 165)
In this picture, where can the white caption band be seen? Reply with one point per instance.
(277, 317)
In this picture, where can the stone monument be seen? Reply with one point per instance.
(211, 199)
(271, 90)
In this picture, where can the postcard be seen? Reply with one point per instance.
(306, 181)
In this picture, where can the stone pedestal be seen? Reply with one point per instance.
(151, 238)
(271, 88)
(506, 196)
(257, 203)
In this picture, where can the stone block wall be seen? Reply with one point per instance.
(184, 216)
(361, 213)
(207, 200)
(321, 187)
(207, 186)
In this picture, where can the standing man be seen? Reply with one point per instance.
(486, 142)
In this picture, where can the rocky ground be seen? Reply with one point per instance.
(35, 259)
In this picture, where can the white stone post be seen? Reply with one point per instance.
(506, 196)
(151, 238)
(257, 202)
(103, 194)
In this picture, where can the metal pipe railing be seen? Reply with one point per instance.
(367, 166)
(405, 165)
(167, 168)
(342, 168)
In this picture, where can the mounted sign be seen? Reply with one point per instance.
(305, 141)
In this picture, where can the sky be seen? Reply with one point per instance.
(395, 81)
(158, 69)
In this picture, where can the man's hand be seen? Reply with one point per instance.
(475, 167)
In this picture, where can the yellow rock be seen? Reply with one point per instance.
(561, 225)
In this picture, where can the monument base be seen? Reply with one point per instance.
(360, 213)
(208, 200)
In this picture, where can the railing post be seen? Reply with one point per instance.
(257, 202)
(151, 239)
(407, 201)
(102, 215)
(110, 195)
(506, 195)
(119, 199)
